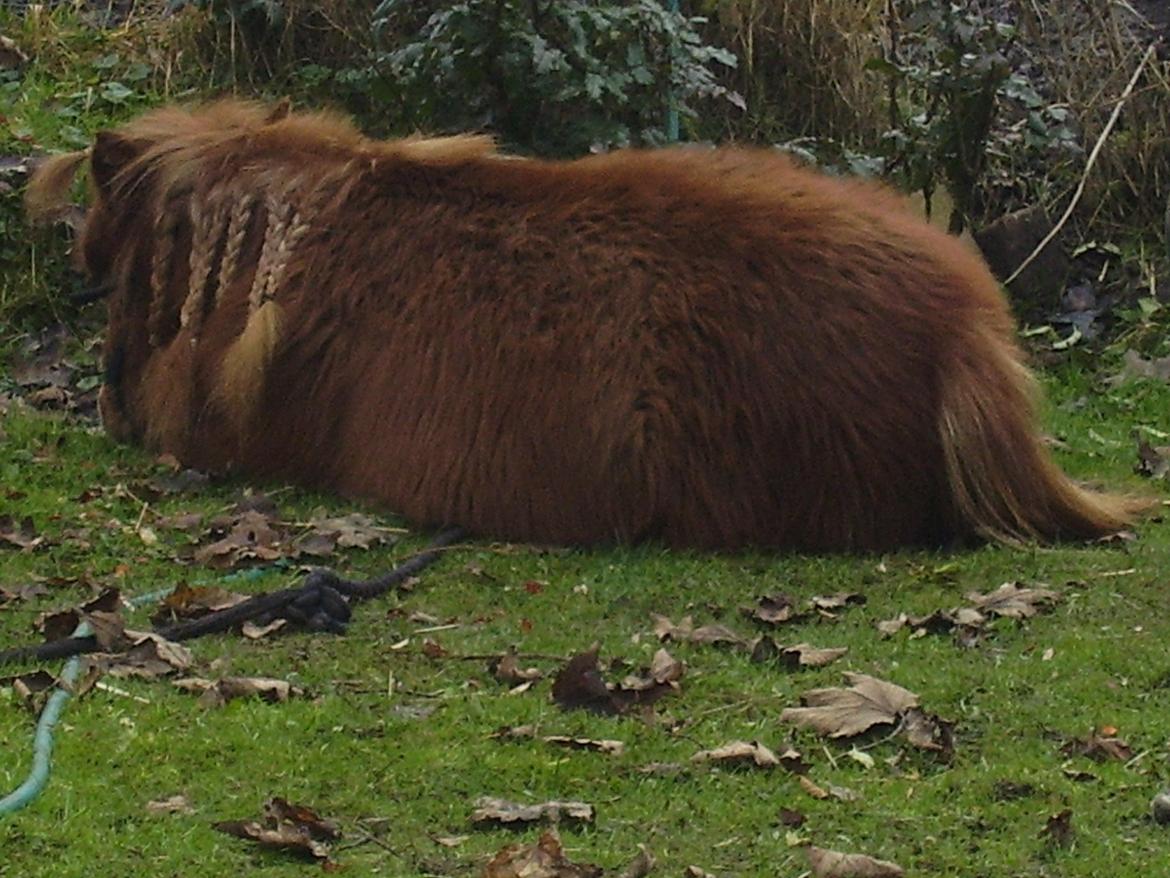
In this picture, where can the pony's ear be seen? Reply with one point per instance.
(111, 153)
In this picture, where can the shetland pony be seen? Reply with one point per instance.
(707, 348)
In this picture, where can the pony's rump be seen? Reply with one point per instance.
(709, 348)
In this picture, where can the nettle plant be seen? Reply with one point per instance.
(957, 105)
(557, 77)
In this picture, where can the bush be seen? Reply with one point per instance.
(554, 77)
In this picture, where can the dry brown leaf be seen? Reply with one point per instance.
(686, 632)
(804, 655)
(491, 811)
(32, 689)
(838, 601)
(108, 629)
(257, 632)
(1153, 460)
(739, 753)
(817, 792)
(841, 713)
(21, 534)
(613, 748)
(927, 732)
(178, 804)
(216, 693)
(1134, 365)
(508, 671)
(149, 656)
(286, 826)
(329, 533)
(1099, 748)
(25, 592)
(545, 859)
(192, 602)
(775, 609)
(890, 627)
(251, 535)
(1058, 829)
(641, 866)
(1013, 600)
(580, 684)
(832, 864)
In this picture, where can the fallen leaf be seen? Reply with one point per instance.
(252, 536)
(32, 689)
(928, 732)
(491, 811)
(22, 534)
(508, 671)
(662, 769)
(686, 632)
(817, 792)
(54, 398)
(216, 693)
(256, 632)
(792, 818)
(775, 609)
(1134, 365)
(545, 859)
(1153, 460)
(328, 533)
(1013, 600)
(580, 684)
(843, 794)
(861, 758)
(832, 864)
(62, 623)
(25, 592)
(803, 655)
(288, 827)
(178, 804)
(613, 748)
(842, 713)
(109, 630)
(641, 866)
(1099, 748)
(1058, 829)
(739, 753)
(838, 601)
(149, 656)
(193, 602)
(890, 627)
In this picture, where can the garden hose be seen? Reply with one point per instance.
(317, 582)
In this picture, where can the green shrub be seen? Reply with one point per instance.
(554, 77)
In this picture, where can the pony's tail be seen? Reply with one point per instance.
(1003, 481)
(46, 198)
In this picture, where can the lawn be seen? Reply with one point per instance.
(396, 734)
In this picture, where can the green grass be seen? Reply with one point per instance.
(417, 758)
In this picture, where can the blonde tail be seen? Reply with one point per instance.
(1003, 481)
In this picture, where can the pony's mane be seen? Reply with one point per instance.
(222, 168)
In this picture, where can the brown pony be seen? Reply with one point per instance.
(710, 348)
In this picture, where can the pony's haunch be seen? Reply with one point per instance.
(711, 348)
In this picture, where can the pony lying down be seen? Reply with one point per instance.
(714, 349)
